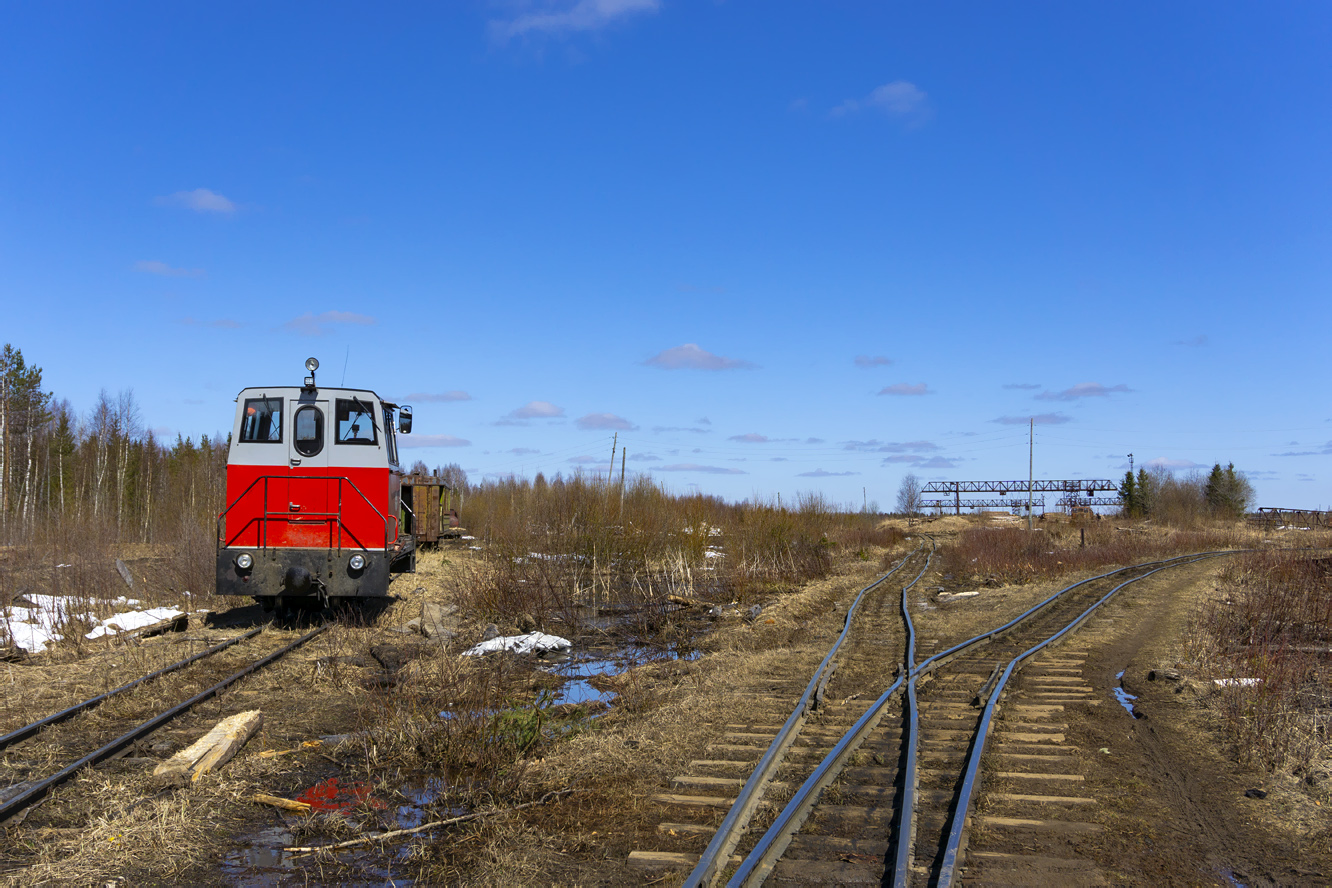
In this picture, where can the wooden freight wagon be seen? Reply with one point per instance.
(430, 509)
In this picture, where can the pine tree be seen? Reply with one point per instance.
(1128, 494)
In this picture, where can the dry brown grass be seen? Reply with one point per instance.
(1272, 621)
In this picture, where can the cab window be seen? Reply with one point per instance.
(390, 438)
(308, 430)
(356, 422)
(262, 423)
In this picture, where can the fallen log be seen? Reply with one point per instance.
(264, 798)
(210, 751)
(687, 602)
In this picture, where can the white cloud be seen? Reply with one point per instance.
(560, 18)
(750, 438)
(537, 410)
(1173, 465)
(694, 467)
(607, 421)
(311, 324)
(432, 441)
(1039, 419)
(820, 473)
(201, 200)
(901, 99)
(903, 388)
(439, 397)
(691, 357)
(154, 266)
(1083, 390)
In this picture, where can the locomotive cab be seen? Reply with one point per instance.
(313, 496)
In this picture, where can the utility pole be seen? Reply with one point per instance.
(1031, 462)
(621, 482)
(611, 474)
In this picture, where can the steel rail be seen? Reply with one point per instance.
(986, 637)
(971, 779)
(39, 790)
(746, 801)
(27, 731)
(760, 861)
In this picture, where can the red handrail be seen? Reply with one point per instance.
(318, 516)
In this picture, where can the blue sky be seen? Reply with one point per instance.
(776, 246)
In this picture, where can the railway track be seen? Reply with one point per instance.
(32, 790)
(881, 784)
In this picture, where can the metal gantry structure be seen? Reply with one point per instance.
(1071, 489)
(1279, 517)
(1016, 504)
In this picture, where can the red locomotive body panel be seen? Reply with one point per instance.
(313, 495)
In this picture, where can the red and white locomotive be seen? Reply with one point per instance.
(314, 496)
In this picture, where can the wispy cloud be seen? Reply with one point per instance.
(1028, 386)
(820, 473)
(608, 421)
(1083, 390)
(921, 462)
(311, 324)
(695, 467)
(644, 457)
(876, 446)
(691, 357)
(1325, 450)
(153, 266)
(903, 388)
(750, 438)
(1039, 419)
(900, 99)
(438, 397)
(814, 441)
(536, 410)
(522, 451)
(866, 361)
(201, 200)
(1173, 465)
(432, 441)
(693, 429)
(218, 324)
(1196, 342)
(562, 17)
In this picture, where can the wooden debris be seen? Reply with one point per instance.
(212, 750)
(687, 602)
(274, 753)
(393, 834)
(125, 574)
(178, 623)
(264, 798)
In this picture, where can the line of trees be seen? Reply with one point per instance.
(1224, 493)
(102, 469)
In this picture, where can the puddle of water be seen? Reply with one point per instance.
(1229, 875)
(1124, 697)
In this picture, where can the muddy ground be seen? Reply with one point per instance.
(1179, 813)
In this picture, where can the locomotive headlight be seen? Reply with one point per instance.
(357, 562)
(244, 561)
(312, 364)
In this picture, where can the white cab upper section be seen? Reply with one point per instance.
(289, 425)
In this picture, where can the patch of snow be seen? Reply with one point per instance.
(465, 537)
(1237, 682)
(532, 642)
(127, 622)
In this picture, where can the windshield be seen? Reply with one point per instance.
(356, 422)
(262, 423)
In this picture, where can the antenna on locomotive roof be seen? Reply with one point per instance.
(345, 359)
